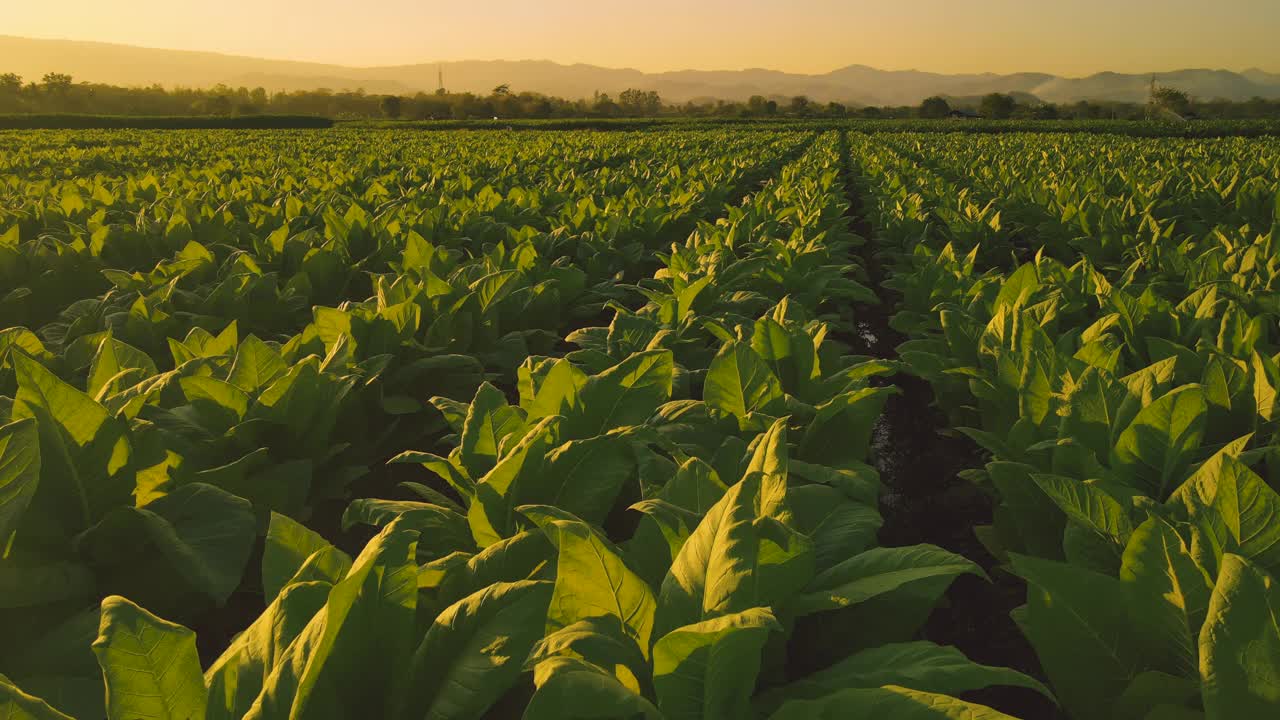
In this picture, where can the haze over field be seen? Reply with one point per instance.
(1093, 49)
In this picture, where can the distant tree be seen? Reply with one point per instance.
(1085, 110)
(35, 97)
(835, 109)
(934, 107)
(220, 105)
(502, 90)
(640, 102)
(1171, 99)
(391, 106)
(1046, 112)
(997, 106)
(58, 83)
(1257, 107)
(604, 105)
(799, 105)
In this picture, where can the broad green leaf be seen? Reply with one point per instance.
(84, 452)
(1143, 387)
(591, 580)
(270, 485)
(707, 670)
(19, 475)
(840, 432)
(919, 665)
(838, 527)
(207, 345)
(489, 421)
(55, 662)
(444, 468)
(256, 365)
(18, 705)
(573, 689)
(203, 534)
(237, 676)
(883, 703)
(553, 393)
(32, 580)
(1089, 505)
(1017, 288)
(859, 482)
(1025, 510)
(1168, 591)
(690, 293)
(1092, 402)
(1152, 690)
(288, 546)
(657, 541)
(151, 666)
(626, 394)
(306, 401)
(740, 382)
(583, 477)
(441, 530)
(433, 496)
(735, 560)
(113, 358)
(604, 642)
(363, 631)
(789, 353)
(1079, 624)
(524, 556)
(1235, 508)
(1240, 644)
(1156, 448)
(491, 514)
(879, 571)
(770, 460)
(475, 651)
(218, 405)
(696, 487)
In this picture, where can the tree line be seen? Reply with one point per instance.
(60, 93)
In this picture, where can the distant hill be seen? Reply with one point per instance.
(856, 84)
(1203, 84)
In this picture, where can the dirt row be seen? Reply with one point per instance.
(919, 458)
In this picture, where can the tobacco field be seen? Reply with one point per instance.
(674, 423)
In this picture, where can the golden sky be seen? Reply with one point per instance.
(1072, 37)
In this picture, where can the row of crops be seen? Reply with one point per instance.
(1099, 315)
(645, 463)
(572, 424)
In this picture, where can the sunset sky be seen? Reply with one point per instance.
(812, 36)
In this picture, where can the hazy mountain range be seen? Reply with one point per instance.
(856, 84)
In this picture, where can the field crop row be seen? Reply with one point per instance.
(1099, 315)
(215, 345)
(378, 423)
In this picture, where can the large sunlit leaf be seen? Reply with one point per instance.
(707, 671)
(1240, 644)
(150, 665)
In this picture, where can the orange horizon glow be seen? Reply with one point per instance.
(804, 36)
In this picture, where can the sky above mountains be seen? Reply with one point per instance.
(805, 36)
